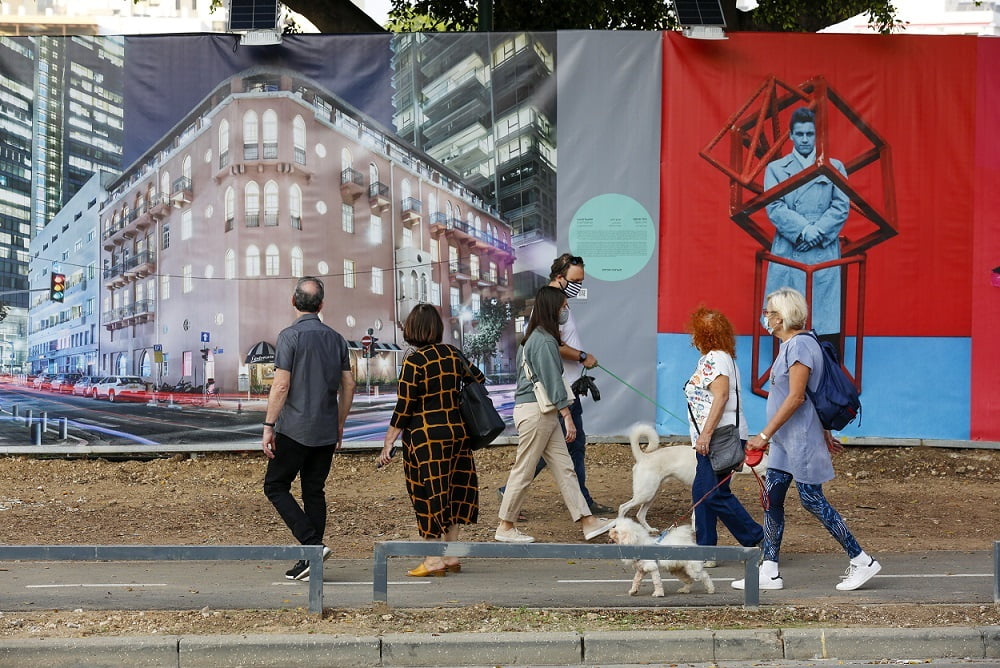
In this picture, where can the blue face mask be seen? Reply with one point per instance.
(572, 289)
(563, 316)
(768, 327)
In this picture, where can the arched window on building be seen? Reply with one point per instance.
(251, 130)
(272, 263)
(252, 261)
(146, 365)
(299, 139)
(186, 168)
(121, 364)
(251, 204)
(271, 203)
(230, 200)
(423, 288)
(269, 132)
(413, 287)
(223, 143)
(297, 262)
(165, 185)
(230, 264)
(295, 206)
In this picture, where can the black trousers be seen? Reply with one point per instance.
(312, 464)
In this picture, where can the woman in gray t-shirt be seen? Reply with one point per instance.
(800, 447)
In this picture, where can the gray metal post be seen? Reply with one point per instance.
(28, 417)
(996, 571)
(45, 421)
(14, 410)
(63, 428)
(36, 433)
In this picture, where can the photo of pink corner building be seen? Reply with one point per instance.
(268, 179)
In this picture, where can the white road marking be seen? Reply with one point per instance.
(880, 577)
(96, 584)
(289, 583)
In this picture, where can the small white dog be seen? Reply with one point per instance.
(628, 532)
(652, 467)
(656, 464)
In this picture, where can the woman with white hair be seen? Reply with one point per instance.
(800, 448)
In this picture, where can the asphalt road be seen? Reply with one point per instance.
(938, 577)
(229, 420)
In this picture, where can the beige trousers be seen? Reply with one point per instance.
(539, 435)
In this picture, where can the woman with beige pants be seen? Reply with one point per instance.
(538, 433)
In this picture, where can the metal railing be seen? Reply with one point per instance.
(311, 553)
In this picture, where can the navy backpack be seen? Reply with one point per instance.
(836, 399)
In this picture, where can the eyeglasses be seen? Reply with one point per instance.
(765, 312)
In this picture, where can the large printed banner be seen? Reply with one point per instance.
(452, 169)
(894, 171)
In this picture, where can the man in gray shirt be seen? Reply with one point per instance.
(307, 407)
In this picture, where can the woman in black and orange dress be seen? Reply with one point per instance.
(437, 460)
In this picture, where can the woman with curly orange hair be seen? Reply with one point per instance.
(712, 397)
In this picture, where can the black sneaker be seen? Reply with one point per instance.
(295, 572)
(300, 571)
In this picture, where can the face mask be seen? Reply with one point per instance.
(763, 321)
(572, 288)
(563, 316)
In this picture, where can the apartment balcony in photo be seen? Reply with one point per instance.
(461, 231)
(378, 197)
(114, 277)
(142, 311)
(182, 191)
(459, 271)
(411, 211)
(352, 184)
(140, 265)
(159, 206)
(115, 318)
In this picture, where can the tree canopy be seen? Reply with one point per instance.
(545, 15)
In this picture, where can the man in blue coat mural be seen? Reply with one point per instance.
(807, 224)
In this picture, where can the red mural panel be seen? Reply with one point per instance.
(985, 397)
(917, 93)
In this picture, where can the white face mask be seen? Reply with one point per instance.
(563, 316)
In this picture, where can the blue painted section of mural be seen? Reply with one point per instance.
(900, 373)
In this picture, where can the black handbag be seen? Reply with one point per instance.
(482, 421)
(726, 449)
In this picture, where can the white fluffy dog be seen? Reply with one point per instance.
(628, 532)
(656, 464)
(652, 467)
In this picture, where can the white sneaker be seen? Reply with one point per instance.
(768, 577)
(512, 535)
(856, 575)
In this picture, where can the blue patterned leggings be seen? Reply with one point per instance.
(812, 499)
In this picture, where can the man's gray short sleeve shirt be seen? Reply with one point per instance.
(316, 356)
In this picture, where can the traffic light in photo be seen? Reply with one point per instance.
(57, 287)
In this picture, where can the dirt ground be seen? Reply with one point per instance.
(894, 499)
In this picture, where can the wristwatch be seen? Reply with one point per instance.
(583, 356)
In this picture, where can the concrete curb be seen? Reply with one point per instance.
(510, 649)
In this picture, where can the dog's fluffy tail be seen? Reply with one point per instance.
(639, 431)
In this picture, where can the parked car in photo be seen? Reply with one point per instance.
(43, 381)
(84, 385)
(117, 388)
(63, 382)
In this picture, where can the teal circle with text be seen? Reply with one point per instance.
(615, 236)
